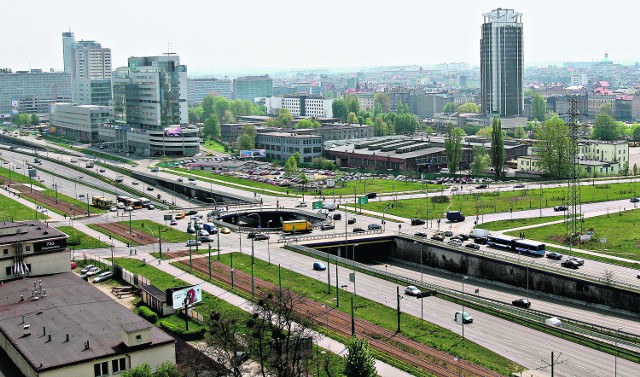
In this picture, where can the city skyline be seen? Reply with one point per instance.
(335, 35)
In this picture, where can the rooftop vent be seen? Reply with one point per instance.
(26, 330)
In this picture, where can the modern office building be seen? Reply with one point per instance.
(252, 87)
(32, 91)
(89, 66)
(501, 63)
(301, 106)
(282, 145)
(150, 109)
(201, 87)
(78, 122)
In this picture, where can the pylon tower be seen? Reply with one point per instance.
(574, 202)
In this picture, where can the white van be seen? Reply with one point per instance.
(444, 171)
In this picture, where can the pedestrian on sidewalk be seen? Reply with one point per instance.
(135, 251)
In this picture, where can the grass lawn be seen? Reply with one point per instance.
(80, 240)
(12, 210)
(16, 176)
(379, 314)
(169, 234)
(623, 239)
(212, 304)
(214, 146)
(516, 223)
(484, 202)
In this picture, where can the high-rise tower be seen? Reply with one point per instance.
(89, 65)
(68, 41)
(501, 63)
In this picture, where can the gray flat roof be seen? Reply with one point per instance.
(71, 307)
(31, 230)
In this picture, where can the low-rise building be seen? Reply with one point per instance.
(79, 122)
(282, 145)
(301, 106)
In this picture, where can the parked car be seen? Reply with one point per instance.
(554, 255)
(559, 208)
(73, 265)
(374, 226)
(412, 291)
(113, 209)
(103, 277)
(570, 264)
(337, 216)
(327, 226)
(521, 302)
(260, 237)
(417, 221)
(420, 234)
(193, 243)
(437, 237)
(351, 220)
(319, 266)
(358, 230)
(86, 268)
(225, 230)
(93, 271)
(473, 246)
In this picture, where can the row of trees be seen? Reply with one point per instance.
(465, 108)
(480, 162)
(217, 110)
(24, 120)
(384, 121)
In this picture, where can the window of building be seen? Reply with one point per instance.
(119, 365)
(27, 248)
(8, 271)
(5, 252)
(138, 338)
(101, 369)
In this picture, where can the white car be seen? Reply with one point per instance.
(412, 291)
(113, 209)
(300, 205)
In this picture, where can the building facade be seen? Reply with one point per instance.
(282, 145)
(301, 106)
(251, 87)
(89, 66)
(32, 91)
(202, 87)
(501, 63)
(79, 122)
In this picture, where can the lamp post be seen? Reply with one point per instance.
(268, 241)
(160, 231)
(615, 356)
(462, 314)
(354, 271)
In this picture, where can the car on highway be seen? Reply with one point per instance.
(358, 230)
(374, 226)
(113, 209)
(301, 204)
(579, 261)
(463, 317)
(191, 179)
(173, 222)
(225, 230)
(351, 220)
(473, 246)
(205, 239)
(455, 242)
(191, 212)
(181, 215)
(337, 216)
(417, 221)
(103, 277)
(634, 200)
(193, 243)
(73, 160)
(638, 275)
(520, 185)
(101, 170)
(327, 226)
(135, 183)
(180, 180)
(521, 302)
(128, 209)
(151, 206)
(319, 266)
(482, 186)
(412, 291)
(261, 237)
(448, 233)
(554, 255)
(570, 264)
(150, 188)
(559, 208)
(420, 234)
(437, 237)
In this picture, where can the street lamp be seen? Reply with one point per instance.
(268, 241)
(160, 231)
(354, 270)
(615, 356)
(462, 314)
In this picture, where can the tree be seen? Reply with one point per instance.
(225, 342)
(308, 123)
(228, 117)
(339, 108)
(406, 124)
(519, 133)
(195, 114)
(497, 146)
(635, 169)
(381, 103)
(379, 127)
(605, 127)
(449, 108)
(167, 370)
(245, 142)
(485, 132)
(469, 107)
(352, 118)
(359, 362)
(352, 104)
(538, 107)
(220, 105)
(553, 148)
(35, 120)
(143, 370)
(209, 106)
(480, 161)
(211, 128)
(284, 117)
(453, 148)
(291, 166)
(297, 157)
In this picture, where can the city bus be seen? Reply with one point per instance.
(518, 245)
(129, 202)
(102, 202)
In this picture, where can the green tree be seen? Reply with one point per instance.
(605, 127)
(298, 158)
(308, 123)
(359, 362)
(453, 148)
(284, 117)
(519, 133)
(468, 107)
(352, 104)
(449, 108)
(209, 106)
(291, 166)
(635, 169)
(339, 107)
(497, 146)
(352, 118)
(167, 370)
(220, 106)
(245, 142)
(538, 107)
(228, 117)
(553, 148)
(379, 127)
(143, 370)
(406, 124)
(485, 132)
(381, 103)
(35, 120)
(195, 114)
(211, 128)
(481, 161)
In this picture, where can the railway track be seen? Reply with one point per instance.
(122, 230)
(396, 345)
(48, 201)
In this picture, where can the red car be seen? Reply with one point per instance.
(73, 265)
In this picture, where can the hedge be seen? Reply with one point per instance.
(181, 332)
(148, 314)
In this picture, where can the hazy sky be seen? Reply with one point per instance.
(217, 36)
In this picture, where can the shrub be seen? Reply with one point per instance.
(440, 199)
(181, 332)
(148, 314)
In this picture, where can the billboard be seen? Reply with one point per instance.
(176, 297)
(51, 245)
(251, 153)
(173, 131)
(14, 106)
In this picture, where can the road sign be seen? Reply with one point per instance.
(352, 277)
(316, 205)
(363, 200)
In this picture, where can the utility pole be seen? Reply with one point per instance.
(573, 185)
(398, 299)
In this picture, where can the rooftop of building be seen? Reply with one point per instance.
(291, 134)
(31, 230)
(68, 313)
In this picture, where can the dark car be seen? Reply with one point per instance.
(351, 220)
(327, 226)
(337, 216)
(634, 200)
(417, 221)
(570, 264)
(559, 208)
(461, 237)
(319, 266)
(191, 212)
(149, 188)
(481, 240)
(437, 237)
(522, 302)
(260, 237)
(448, 233)
(374, 226)
(358, 230)
(372, 195)
(554, 255)
(482, 186)
(251, 234)
(473, 246)
(420, 234)
(520, 185)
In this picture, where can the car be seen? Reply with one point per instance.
(327, 226)
(579, 261)
(180, 180)
(638, 275)
(482, 186)
(73, 160)
(559, 208)
(260, 237)
(180, 216)
(372, 195)
(73, 265)
(128, 208)
(417, 221)
(463, 317)
(301, 204)
(554, 255)
(150, 188)
(191, 179)
(455, 242)
(448, 233)
(481, 240)
(358, 230)
(93, 271)
(135, 183)
(319, 266)
(101, 170)
(570, 264)
(437, 237)
(420, 234)
(412, 291)
(191, 212)
(351, 220)
(103, 277)
(225, 230)
(193, 243)
(113, 209)
(374, 226)
(522, 302)
(337, 216)
(473, 246)
(205, 239)
(173, 222)
(154, 169)
(251, 234)
(520, 185)
(635, 200)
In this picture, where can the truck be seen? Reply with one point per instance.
(294, 226)
(119, 178)
(454, 216)
(210, 227)
(479, 233)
